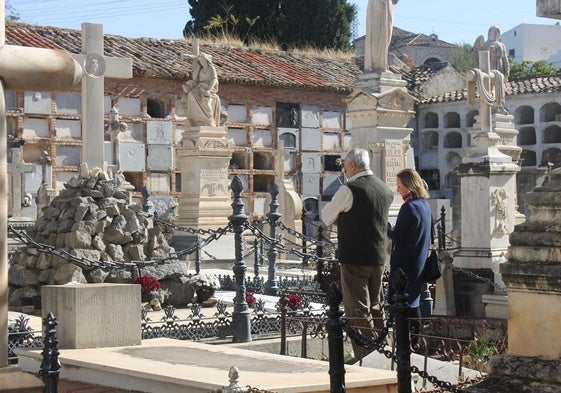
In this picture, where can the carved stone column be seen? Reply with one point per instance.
(204, 157)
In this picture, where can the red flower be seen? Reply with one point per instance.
(294, 301)
(148, 283)
(249, 298)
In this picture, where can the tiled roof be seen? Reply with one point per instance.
(164, 59)
(417, 76)
(531, 85)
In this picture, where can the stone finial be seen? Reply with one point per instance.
(233, 387)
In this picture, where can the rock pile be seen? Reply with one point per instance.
(93, 218)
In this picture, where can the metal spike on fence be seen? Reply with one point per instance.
(50, 365)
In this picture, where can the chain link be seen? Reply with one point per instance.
(479, 278)
(379, 344)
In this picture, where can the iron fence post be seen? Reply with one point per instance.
(334, 325)
(443, 226)
(304, 242)
(271, 287)
(427, 302)
(256, 258)
(50, 365)
(319, 253)
(403, 352)
(284, 312)
(197, 255)
(241, 316)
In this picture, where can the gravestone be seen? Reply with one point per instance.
(17, 168)
(380, 124)
(204, 156)
(96, 68)
(94, 315)
(488, 187)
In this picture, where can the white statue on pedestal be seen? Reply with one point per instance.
(379, 25)
(201, 102)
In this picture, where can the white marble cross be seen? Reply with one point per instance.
(23, 68)
(488, 94)
(96, 67)
(17, 167)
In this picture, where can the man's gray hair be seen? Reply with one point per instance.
(360, 157)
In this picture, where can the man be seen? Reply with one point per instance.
(360, 209)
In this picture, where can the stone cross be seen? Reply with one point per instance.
(484, 79)
(96, 67)
(32, 69)
(44, 161)
(17, 167)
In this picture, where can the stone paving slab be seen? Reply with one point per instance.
(173, 366)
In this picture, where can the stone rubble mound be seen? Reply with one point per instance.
(92, 218)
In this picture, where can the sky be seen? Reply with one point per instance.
(454, 21)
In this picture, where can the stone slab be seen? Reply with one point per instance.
(94, 315)
(12, 379)
(174, 366)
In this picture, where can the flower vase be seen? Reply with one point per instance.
(204, 294)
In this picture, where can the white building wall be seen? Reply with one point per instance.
(534, 42)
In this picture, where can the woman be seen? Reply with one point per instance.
(411, 237)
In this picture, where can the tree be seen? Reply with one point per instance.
(529, 69)
(11, 12)
(321, 24)
(462, 58)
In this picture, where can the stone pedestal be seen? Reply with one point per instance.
(380, 109)
(533, 275)
(94, 315)
(13, 380)
(204, 157)
(488, 187)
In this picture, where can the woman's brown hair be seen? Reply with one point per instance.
(412, 180)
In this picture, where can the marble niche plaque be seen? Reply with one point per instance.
(10, 98)
(158, 182)
(311, 139)
(311, 163)
(68, 129)
(331, 141)
(35, 128)
(68, 103)
(37, 102)
(32, 180)
(238, 136)
(129, 106)
(262, 138)
(310, 116)
(108, 153)
(159, 157)
(159, 132)
(263, 115)
(237, 114)
(68, 155)
(107, 105)
(310, 183)
(63, 177)
(132, 157)
(331, 120)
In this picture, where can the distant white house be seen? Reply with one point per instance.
(534, 42)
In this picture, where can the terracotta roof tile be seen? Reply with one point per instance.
(165, 59)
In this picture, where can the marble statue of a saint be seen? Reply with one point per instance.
(201, 101)
(379, 25)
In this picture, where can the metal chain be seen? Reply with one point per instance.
(82, 261)
(378, 345)
(473, 275)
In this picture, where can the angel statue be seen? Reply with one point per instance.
(497, 51)
(498, 59)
